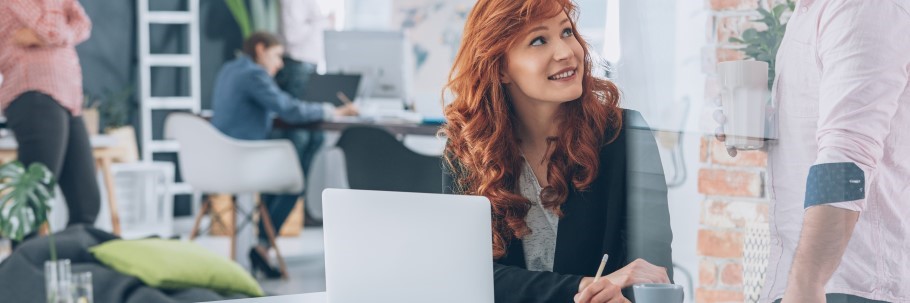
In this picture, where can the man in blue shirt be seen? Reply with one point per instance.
(246, 101)
(246, 98)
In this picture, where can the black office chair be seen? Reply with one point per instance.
(376, 160)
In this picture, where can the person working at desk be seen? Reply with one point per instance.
(245, 102)
(532, 130)
(42, 95)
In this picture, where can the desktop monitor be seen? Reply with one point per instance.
(379, 56)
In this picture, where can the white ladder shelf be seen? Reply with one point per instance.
(148, 61)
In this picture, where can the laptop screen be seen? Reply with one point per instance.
(325, 88)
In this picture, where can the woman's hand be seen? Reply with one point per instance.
(25, 37)
(637, 272)
(602, 291)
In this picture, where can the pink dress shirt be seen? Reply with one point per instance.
(843, 72)
(52, 69)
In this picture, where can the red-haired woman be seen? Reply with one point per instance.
(570, 175)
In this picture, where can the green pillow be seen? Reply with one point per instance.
(174, 264)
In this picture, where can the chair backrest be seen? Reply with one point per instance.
(376, 160)
(213, 162)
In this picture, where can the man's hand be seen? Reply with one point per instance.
(25, 37)
(346, 110)
(719, 133)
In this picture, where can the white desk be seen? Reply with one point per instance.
(316, 297)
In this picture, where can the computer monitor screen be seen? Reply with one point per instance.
(379, 56)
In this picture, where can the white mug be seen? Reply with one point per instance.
(744, 99)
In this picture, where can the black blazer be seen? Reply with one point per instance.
(624, 213)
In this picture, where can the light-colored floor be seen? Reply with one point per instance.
(304, 256)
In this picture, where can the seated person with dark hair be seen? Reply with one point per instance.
(246, 100)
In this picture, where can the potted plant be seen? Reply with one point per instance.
(241, 15)
(763, 45)
(114, 111)
(90, 114)
(109, 114)
(26, 197)
(262, 15)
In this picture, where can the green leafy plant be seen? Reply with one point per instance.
(241, 15)
(763, 45)
(113, 107)
(25, 200)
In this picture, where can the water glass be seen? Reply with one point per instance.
(57, 281)
(82, 287)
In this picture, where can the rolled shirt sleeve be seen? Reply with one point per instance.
(328, 111)
(864, 55)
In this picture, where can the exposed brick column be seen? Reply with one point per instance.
(734, 188)
(734, 196)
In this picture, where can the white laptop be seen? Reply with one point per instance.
(407, 247)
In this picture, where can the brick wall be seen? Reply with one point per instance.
(734, 188)
(734, 197)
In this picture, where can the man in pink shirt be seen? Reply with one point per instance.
(41, 95)
(839, 175)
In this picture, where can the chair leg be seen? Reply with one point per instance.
(205, 208)
(303, 215)
(267, 222)
(233, 230)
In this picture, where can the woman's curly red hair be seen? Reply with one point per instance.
(483, 151)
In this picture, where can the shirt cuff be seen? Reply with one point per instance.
(841, 185)
(328, 111)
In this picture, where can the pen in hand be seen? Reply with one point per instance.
(348, 109)
(600, 270)
(344, 98)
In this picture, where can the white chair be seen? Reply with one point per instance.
(212, 162)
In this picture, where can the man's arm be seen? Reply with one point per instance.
(264, 91)
(826, 232)
(863, 56)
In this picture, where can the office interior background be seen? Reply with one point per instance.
(661, 53)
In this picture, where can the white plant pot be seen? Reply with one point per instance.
(126, 144)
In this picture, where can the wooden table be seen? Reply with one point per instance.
(104, 149)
